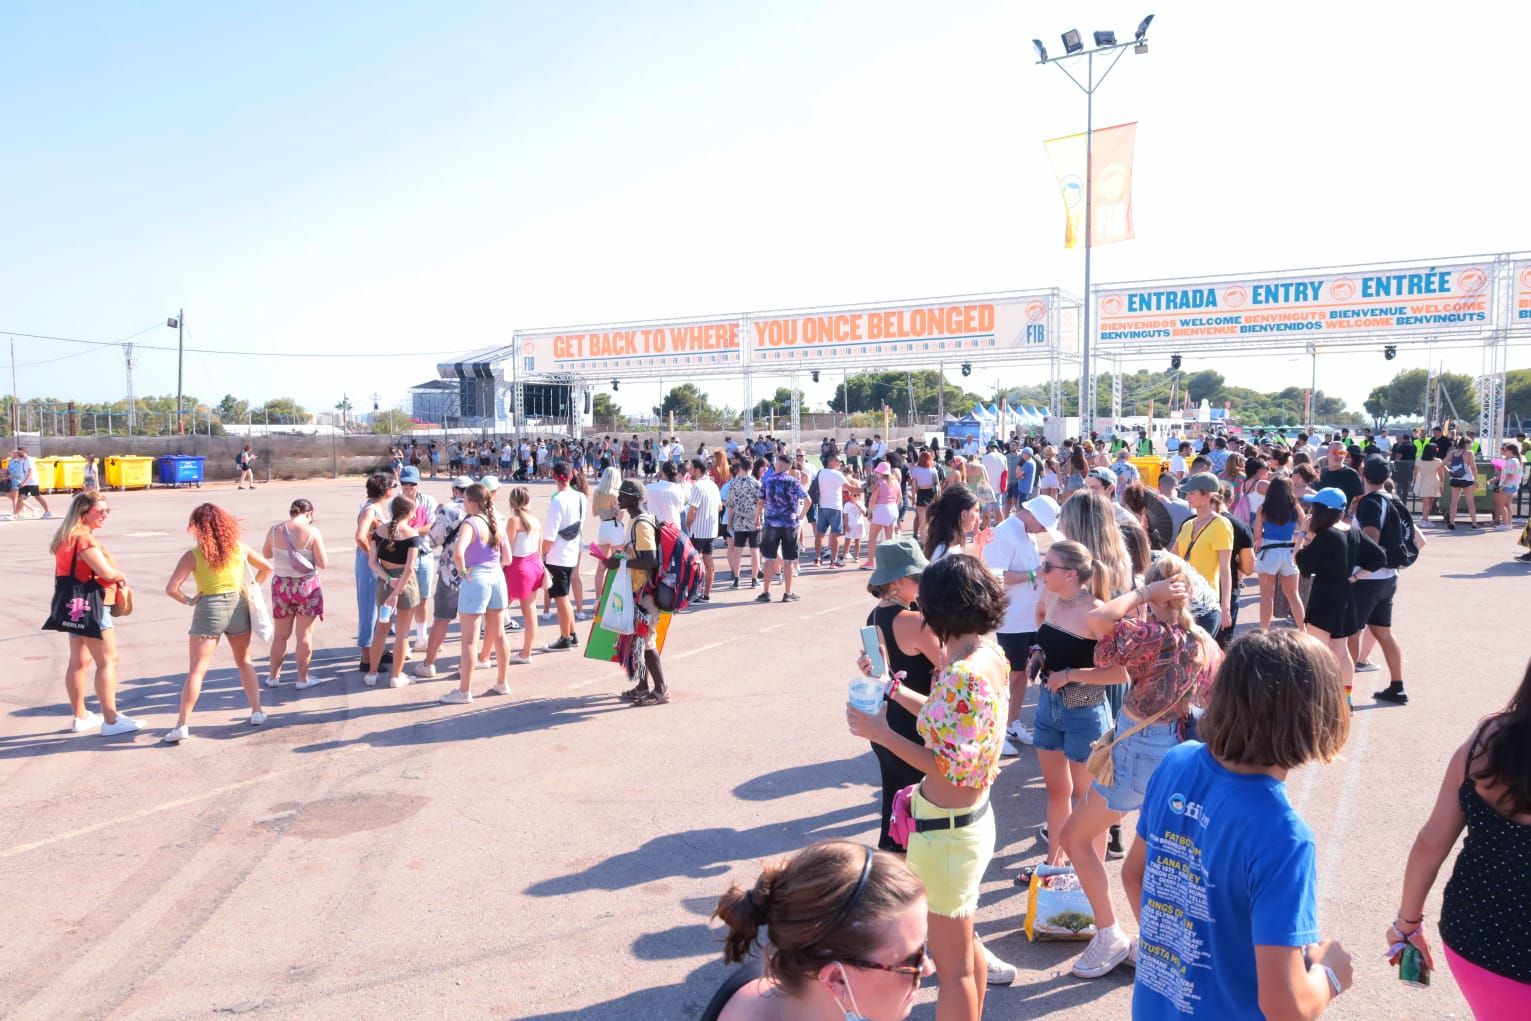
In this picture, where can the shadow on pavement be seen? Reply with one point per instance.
(856, 771)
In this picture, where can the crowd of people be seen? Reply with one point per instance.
(1070, 569)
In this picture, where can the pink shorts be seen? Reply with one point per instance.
(523, 577)
(297, 597)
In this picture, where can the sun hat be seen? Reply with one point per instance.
(409, 476)
(634, 489)
(1201, 482)
(1332, 497)
(461, 482)
(1045, 510)
(898, 558)
(882, 469)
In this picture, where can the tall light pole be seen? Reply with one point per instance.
(1073, 47)
(177, 323)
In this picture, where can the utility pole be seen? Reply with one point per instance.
(127, 357)
(179, 324)
(15, 398)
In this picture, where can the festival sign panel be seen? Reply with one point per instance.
(1419, 300)
(1520, 314)
(821, 338)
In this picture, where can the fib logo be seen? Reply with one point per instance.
(1235, 297)
(1035, 311)
(1343, 289)
(1111, 305)
(1471, 281)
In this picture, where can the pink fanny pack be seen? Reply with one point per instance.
(901, 821)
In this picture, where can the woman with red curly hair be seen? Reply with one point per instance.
(218, 563)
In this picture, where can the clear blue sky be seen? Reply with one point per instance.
(392, 177)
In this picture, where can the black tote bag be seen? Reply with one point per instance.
(76, 608)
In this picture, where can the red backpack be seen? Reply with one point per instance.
(678, 579)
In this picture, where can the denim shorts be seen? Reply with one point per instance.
(829, 520)
(1134, 761)
(1070, 731)
(483, 589)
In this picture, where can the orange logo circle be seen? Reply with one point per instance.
(1111, 304)
(528, 347)
(1343, 289)
(1525, 277)
(1035, 311)
(1472, 280)
(1233, 297)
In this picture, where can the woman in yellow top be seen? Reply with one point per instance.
(217, 563)
(1206, 542)
(962, 722)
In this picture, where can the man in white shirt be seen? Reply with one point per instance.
(994, 467)
(1013, 555)
(1180, 462)
(566, 513)
(828, 520)
(703, 509)
(666, 498)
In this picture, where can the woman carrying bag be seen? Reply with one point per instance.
(84, 570)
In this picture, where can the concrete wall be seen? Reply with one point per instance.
(278, 457)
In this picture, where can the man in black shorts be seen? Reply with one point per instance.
(783, 501)
(1378, 518)
(743, 521)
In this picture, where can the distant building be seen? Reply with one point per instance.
(437, 401)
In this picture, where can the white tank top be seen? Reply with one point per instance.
(527, 542)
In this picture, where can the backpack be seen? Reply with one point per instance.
(813, 490)
(678, 579)
(1398, 539)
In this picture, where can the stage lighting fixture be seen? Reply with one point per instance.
(1107, 38)
(1071, 43)
(1143, 28)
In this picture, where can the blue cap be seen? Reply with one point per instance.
(1334, 499)
(409, 475)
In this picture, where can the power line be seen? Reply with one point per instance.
(217, 351)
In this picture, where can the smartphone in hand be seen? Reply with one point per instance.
(873, 649)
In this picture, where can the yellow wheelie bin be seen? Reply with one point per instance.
(129, 471)
(47, 473)
(69, 475)
(1148, 469)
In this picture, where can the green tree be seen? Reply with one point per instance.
(282, 410)
(603, 408)
(1204, 385)
(391, 423)
(779, 403)
(688, 402)
(1404, 395)
(869, 391)
(1517, 394)
(231, 409)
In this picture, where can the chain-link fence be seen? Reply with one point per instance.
(159, 418)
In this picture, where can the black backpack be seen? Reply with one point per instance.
(1398, 538)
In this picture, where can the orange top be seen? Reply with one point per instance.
(66, 554)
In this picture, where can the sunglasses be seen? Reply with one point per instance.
(914, 967)
(1049, 567)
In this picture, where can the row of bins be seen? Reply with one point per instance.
(129, 471)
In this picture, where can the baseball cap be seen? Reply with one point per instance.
(1028, 452)
(490, 482)
(1201, 482)
(1375, 471)
(410, 476)
(461, 482)
(1104, 475)
(1331, 497)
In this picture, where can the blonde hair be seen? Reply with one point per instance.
(73, 522)
(519, 499)
(1087, 518)
(1171, 568)
(604, 499)
(1075, 556)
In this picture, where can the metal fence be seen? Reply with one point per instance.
(51, 418)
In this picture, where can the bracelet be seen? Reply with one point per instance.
(1409, 921)
(1334, 980)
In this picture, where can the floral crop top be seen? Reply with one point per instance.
(963, 722)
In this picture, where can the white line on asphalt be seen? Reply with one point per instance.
(1334, 853)
(11, 852)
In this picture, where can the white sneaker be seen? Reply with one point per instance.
(369, 680)
(457, 697)
(1365, 665)
(400, 681)
(1008, 749)
(81, 724)
(1501, 528)
(312, 682)
(175, 735)
(424, 671)
(1000, 973)
(47, 515)
(1019, 733)
(257, 718)
(270, 682)
(124, 725)
(519, 659)
(498, 689)
(1109, 948)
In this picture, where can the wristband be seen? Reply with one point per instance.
(1334, 980)
(892, 689)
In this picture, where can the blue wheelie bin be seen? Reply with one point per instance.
(180, 470)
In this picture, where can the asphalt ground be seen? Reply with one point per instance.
(555, 854)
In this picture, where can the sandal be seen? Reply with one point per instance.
(1023, 877)
(652, 698)
(633, 692)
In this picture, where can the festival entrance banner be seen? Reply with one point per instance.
(1111, 179)
(955, 327)
(1417, 300)
(1520, 287)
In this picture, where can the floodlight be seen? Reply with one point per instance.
(1143, 28)
(1105, 38)
(1071, 43)
(1175, 363)
(815, 375)
(616, 384)
(1390, 352)
(967, 368)
(1041, 50)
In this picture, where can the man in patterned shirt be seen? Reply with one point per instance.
(783, 500)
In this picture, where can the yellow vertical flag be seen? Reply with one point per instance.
(1111, 183)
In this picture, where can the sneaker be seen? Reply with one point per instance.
(764, 597)
(1364, 665)
(424, 671)
(1114, 849)
(399, 681)
(790, 597)
(1501, 527)
(47, 515)
(175, 735)
(1008, 749)
(563, 644)
(512, 625)
(1019, 733)
(81, 724)
(1132, 954)
(1525, 558)
(702, 599)
(1109, 948)
(573, 641)
(519, 659)
(754, 580)
(312, 682)
(369, 680)
(1393, 693)
(457, 697)
(257, 718)
(999, 972)
(124, 725)
(270, 682)
(735, 584)
(498, 689)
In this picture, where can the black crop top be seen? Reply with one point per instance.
(1064, 650)
(394, 552)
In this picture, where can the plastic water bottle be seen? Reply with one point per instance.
(866, 694)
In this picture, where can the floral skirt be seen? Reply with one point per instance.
(297, 597)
